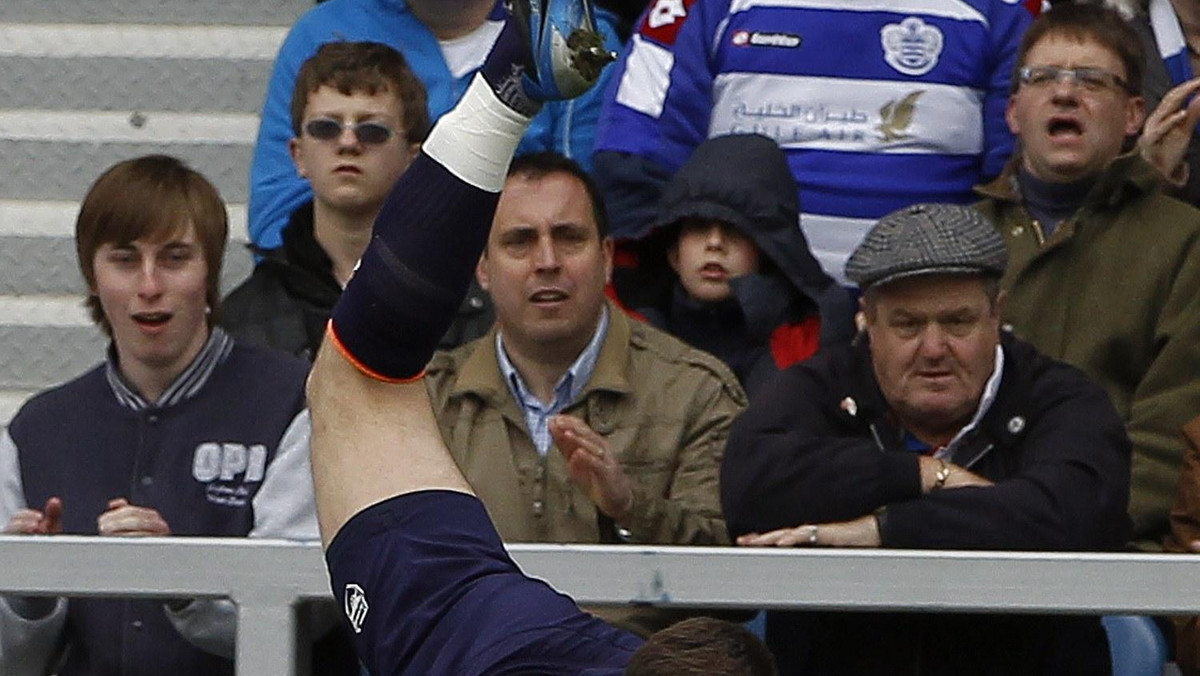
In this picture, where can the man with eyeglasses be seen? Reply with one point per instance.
(1105, 269)
(358, 118)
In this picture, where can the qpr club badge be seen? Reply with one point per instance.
(911, 46)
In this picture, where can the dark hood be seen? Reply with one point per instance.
(301, 265)
(745, 180)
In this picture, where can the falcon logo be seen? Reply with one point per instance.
(898, 116)
(664, 19)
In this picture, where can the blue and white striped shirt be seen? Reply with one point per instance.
(566, 391)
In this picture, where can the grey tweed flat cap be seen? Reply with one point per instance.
(926, 239)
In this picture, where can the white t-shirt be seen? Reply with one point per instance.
(467, 53)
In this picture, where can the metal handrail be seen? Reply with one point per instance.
(267, 578)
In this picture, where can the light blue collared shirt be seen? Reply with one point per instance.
(566, 391)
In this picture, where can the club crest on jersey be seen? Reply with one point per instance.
(911, 46)
(356, 606)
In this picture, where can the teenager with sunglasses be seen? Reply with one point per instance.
(359, 116)
(445, 42)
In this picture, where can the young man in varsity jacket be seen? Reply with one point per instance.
(179, 431)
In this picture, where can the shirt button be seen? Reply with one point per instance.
(537, 507)
(153, 419)
(147, 481)
(137, 624)
(1018, 230)
(475, 302)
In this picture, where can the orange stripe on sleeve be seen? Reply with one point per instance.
(363, 368)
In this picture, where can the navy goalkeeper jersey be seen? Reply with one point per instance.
(427, 588)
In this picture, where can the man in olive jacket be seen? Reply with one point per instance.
(1185, 537)
(572, 422)
(1104, 269)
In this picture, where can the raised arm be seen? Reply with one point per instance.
(411, 558)
(374, 433)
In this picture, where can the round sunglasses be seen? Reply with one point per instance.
(367, 133)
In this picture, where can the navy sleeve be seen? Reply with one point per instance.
(428, 589)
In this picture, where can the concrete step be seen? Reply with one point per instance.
(10, 402)
(139, 40)
(132, 84)
(131, 127)
(252, 13)
(47, 340)
(56, 155)
(51, 311)
(44, 265)
(32, 218)
(64, 170)
(37, 249)
(137, 66)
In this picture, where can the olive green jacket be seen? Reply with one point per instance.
(665, 409)
(1115, 291)
(1185, 529)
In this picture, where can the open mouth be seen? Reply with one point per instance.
(548, 296)
(714, 271)
(1061, 127)
(151, 320)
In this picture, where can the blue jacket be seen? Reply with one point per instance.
(276, 189)
(878, 105)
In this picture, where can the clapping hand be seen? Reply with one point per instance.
(593, 466)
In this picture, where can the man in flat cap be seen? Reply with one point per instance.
(935, 430)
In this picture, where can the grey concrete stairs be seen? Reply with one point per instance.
(87, 83)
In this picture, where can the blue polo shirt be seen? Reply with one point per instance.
(428, 589)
